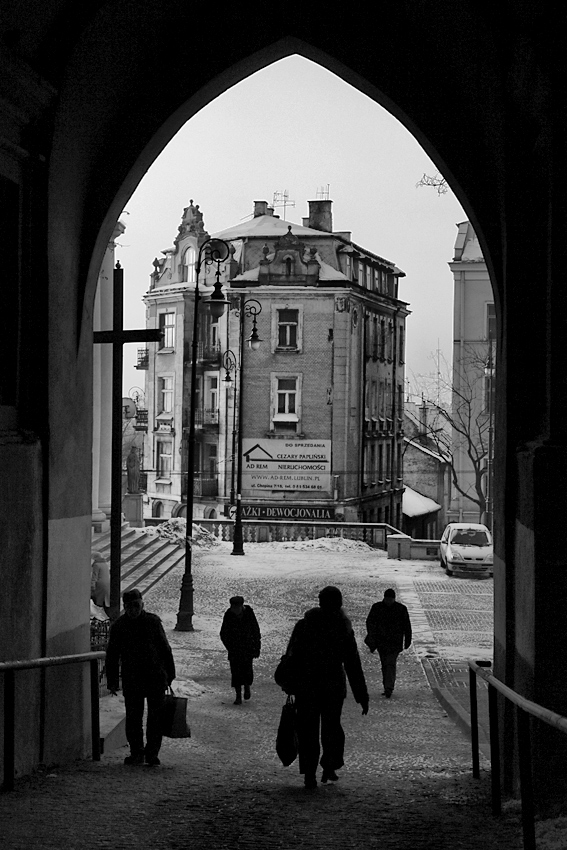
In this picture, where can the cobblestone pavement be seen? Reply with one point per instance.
(407, 780)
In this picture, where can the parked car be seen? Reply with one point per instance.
(466, 547)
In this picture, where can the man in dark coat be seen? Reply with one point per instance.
(138, 645)
(322, 649)
(389, 631)
(240, 634)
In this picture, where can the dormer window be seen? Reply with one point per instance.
(189, 260)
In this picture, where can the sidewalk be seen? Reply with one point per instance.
(449, 681)
(407, 781)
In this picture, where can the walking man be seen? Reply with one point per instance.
(240, 634)
(139, 647)
(322, 648)
(389, 631)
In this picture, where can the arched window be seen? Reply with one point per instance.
(189, 263)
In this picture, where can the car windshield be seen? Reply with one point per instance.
(470, 537)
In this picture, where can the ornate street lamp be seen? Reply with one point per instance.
(211, 251)
(229, 365)
(247, 308)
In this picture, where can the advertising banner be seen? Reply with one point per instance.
(286, 511)
(286, 465)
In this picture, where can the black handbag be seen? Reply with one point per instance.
(285, 674)
(286, 739)
(174, 717)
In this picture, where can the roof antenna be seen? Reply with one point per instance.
(281, 199)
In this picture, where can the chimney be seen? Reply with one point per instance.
(260, 208)
(321, 216)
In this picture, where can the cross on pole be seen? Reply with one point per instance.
(118, 337)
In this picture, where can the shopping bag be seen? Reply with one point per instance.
(286, 740)
(174, 717)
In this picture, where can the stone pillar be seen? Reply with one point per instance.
(102, 437)
(530, 569)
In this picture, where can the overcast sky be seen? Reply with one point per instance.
(296, 127)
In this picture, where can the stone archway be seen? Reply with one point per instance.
(482, 90)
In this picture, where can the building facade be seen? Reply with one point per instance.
(317, 407)
(474, 363)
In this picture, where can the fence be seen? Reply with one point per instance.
(524, 708)
(9, 670)
(100, 631)
(267, 531)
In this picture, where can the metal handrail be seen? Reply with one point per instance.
(525, 708)
(9, 669)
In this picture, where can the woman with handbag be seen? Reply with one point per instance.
(240, 633)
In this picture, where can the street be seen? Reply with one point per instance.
(407, 778)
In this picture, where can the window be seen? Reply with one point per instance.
(286, 390)
(287, 328)
(211, 398)
(167, 327)
(214, 334)
(189, 263)
(372, 469)
(376, 338)
(212, 460)
(382, 339)
(490, 322)
(166, 391)
(380, 462)
(401, 344)
(288, 321)
(164, 454)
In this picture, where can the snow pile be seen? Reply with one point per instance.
(174, 530)
(333, 544)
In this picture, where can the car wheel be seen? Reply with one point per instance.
(448, 571)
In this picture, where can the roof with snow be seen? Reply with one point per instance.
(437, 455)
(326, 272)
(267, 226)
(414, 504)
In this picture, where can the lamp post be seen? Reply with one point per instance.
(211, 251)
(253, 308)
(229, 365)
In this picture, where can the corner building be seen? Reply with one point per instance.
(319, 403)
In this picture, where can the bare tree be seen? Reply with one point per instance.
(436, 180)
(468, 420)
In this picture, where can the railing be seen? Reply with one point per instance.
(9, 668)
(208, 351)
(524, 708)
(206, 416)
(266, 530)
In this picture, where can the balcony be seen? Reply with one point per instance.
(141, 419)
(202, 486)
(206, 417)
(143, 361)
(209, 352)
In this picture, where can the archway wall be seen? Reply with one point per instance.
(481, 91)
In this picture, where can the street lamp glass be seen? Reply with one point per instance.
(216, 305)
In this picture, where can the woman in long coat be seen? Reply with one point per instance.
(240, 634)
(323, 654)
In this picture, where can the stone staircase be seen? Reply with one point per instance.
(145, 559)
